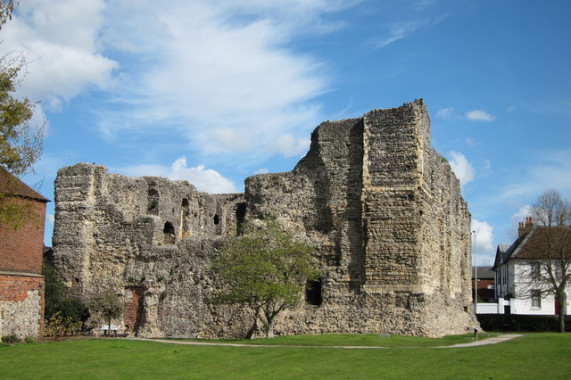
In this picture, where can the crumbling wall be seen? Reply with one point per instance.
(144, 238)
(391, 229)
(381, 207)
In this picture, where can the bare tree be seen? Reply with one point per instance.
(549, 250)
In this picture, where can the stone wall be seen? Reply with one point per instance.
(21, 305)
(381, 207)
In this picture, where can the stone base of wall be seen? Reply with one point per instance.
(21, 304)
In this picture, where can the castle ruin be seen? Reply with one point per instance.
(381, 207)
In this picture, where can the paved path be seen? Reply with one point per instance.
(499, 339)
(496, 340)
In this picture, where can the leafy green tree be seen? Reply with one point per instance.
(6, 9)
(21, 143)
(62, 314)
(54, 289)
(266, 270)
(108, 305)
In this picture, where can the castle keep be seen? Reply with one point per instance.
(381, 207)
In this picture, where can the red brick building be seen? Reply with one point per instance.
(21, 249)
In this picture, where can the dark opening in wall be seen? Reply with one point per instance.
(313, 292)
(216, 219)
(240, 217)
(134, 315)
(153, 201)
(168, 232)
(185, 218)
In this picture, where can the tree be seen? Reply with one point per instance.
(20, 143)
(266, 270)
(108, 305)
(57, 300)
(550, 269)
(6, 9)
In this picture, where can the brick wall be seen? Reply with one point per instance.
(21, 282)
(21, 250)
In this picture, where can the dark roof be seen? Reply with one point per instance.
(12, 186)
(484, 272)
(536, 243)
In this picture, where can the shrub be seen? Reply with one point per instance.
(9, 339)
(58, 326)
(74, 309)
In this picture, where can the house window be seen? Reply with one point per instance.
(535, 271)
(536, 299)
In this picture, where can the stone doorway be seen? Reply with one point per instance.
(134, 309)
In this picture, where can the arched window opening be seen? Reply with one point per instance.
(313, 292)
(216, 219)
(240, 217)
(153, 201)
(185, 219)
(168, 232)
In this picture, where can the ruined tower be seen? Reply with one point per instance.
(382, 208)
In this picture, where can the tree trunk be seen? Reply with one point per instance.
(270, 328)
(562, 300)
(253, 329)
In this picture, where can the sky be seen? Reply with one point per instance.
(216, 91)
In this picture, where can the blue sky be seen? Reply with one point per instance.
(216, 91)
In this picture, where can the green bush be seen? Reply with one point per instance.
(74, 309)
(58, 326)
(9, 339)
(56, 299)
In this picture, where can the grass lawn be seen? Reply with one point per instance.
(533, 356)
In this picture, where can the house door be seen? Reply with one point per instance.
(556, 307)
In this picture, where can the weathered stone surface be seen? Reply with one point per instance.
(381, 207)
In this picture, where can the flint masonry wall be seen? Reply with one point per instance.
(391, 226)
(381, 207)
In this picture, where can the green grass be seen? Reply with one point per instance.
(532, 356)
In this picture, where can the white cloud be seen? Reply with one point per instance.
(548, 170)
(446, 113)
(404, 29)
(461, 167)
(289, 146)
(399, 31)
(482, 243)
(521, 214)
(479, 115)
(59, 43)
(207, 180)
(218, 73)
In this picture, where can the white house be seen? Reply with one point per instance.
(523, 270)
